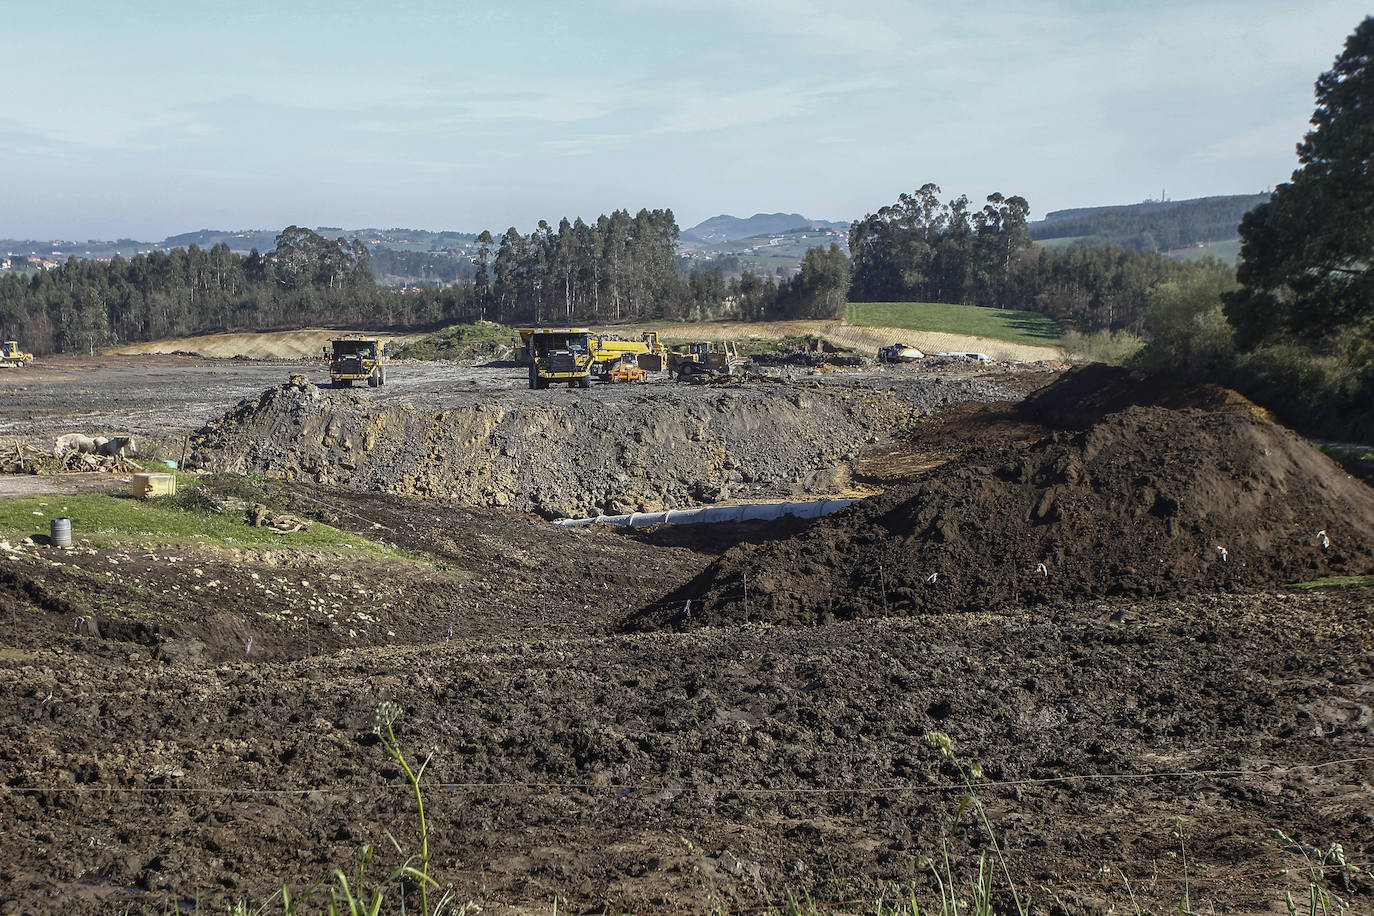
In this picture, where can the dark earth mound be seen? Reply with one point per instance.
(1148, 501)
(1081, 397)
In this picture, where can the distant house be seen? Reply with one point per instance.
(6, 264)
(49, 263)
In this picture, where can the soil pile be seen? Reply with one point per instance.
(617, 449)
(1084, 396)
(1148, 501)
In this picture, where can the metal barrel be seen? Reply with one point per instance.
(60, 530)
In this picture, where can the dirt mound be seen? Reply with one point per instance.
(1148, 501)
(1083, 396)
(616, 449)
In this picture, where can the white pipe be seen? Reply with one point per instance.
(754, 512)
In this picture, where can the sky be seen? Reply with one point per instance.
(147, 119)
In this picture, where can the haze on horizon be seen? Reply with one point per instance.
(149, 119)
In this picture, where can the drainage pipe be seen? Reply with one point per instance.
(755, 512)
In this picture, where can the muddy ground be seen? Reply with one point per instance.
(186, 723)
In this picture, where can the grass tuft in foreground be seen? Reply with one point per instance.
(358, 893)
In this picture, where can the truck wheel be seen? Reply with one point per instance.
(584, 382)
(381, 377)
(372, 381)
(534, 377)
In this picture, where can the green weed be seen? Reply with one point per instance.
(355, 893)
(1321, 901)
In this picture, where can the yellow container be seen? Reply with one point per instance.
(147, 485)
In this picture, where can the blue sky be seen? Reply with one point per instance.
(146, 119)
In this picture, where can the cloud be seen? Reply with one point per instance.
(1256, 143)
(692, 107)
(104, 127)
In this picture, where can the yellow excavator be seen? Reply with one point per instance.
(11, 357)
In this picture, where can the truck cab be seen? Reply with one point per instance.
(357, 358)
(561, 355)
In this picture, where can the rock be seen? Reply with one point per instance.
(184, 651)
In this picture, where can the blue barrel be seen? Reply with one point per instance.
(60, 532)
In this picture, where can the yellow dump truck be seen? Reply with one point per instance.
(355, 358)
(560, 355)
(11, 357)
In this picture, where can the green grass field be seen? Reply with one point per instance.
(1227, 252)
(939, 317)
(108, 521)
(1055, 244)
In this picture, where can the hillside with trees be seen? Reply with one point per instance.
(920, 249)
(725, 228)
(1152, 225)
(305, 280)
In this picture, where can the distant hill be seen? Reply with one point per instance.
(1153, 225)
(725, 228)
(243, 241)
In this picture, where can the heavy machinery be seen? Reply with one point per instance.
(11, 357)
(610, 352)
(702, 360)
(560, 355)
(899, 353)
(356, 358)
(626, 369)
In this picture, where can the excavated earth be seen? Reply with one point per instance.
(562, 453)
(1147, 500)
(188, 726)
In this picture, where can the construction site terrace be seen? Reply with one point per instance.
(1069, 592)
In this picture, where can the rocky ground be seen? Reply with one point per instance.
(188, 723)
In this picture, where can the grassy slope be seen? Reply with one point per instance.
(104, 520)
(1226, 252)
(999, 324)
(459, 341)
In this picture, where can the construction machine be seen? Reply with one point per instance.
(899, 353)
(626, 369)
(611, 351)
(703, 359)
(11, 357)
(561, 355)
(356, 358)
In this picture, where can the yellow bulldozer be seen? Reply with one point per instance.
(355, 358)
(699, 361)
(11, 357)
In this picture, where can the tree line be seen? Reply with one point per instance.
(306, 280)
(920, 249)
